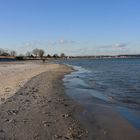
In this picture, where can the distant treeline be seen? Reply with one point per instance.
(7, 52)
(40, 54)
(34, 54)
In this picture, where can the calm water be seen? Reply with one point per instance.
(110, 81)
(7, 60)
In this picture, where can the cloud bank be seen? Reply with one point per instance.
(71, 47)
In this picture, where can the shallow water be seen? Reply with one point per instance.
(7, 60)
(110, 81)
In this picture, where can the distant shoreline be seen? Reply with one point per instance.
(24, 58)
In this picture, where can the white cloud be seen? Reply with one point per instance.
(122, 45)
(62, 41)
(71, 47)
(114, 46)
(52, 46)
(66, 42)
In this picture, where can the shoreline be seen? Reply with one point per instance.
(41, 110)
(103, 119)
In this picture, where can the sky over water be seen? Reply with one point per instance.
(75, 27)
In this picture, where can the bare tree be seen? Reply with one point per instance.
(41, 53)
(4, 52)
(13, 53)
(28, 54)
(1, 51)
(36, 52)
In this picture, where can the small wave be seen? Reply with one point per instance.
(117, 81)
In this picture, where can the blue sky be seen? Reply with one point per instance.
(75, 27)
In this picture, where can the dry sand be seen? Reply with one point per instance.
(14, 75)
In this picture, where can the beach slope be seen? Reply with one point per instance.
(40, 111)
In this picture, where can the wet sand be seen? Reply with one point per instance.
(105, 123)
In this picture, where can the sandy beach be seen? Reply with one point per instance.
(39, 109)
(35, 107)
(14, 75)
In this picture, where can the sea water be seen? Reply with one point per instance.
(7, 60)
(110, 81)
